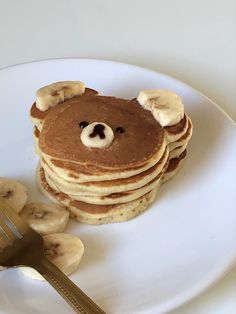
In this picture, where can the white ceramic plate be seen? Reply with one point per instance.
(163, 258)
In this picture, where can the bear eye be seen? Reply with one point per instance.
(83, 124)
(120, 129)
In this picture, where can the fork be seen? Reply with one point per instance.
(22, 246)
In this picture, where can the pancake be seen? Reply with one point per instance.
(107, 187)
(100, 214)
(184, 139)
(104, 157)
(61, 132)
(175, 132)
(114, 198)
(96, 214)
(177, 151)
(74, 172)
(69, 171)
(36, 133)
(173, 167)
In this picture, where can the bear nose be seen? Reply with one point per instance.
(97, 135)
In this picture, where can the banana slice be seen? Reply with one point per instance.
(14, 192)
(45, 218)
(166, 106)
(62, 249)
(51, 95)
(97, 134)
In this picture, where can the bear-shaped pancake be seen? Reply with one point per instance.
(105, 157)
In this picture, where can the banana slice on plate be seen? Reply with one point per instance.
(62, 249)
(55, 93)
(14, 192)
(45, 218)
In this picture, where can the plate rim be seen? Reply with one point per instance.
(121, 63)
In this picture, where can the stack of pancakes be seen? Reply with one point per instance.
(114, 183)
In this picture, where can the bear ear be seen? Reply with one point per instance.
(55, 93)
(166, 106)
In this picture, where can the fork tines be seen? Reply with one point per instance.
(10, 215)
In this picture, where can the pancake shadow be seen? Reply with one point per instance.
(208, 135)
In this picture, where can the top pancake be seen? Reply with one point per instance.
(142, 139)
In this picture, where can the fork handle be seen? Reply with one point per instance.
(73, 295)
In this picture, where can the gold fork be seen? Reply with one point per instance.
(22, 246)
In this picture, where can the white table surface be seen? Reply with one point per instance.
(191, 40)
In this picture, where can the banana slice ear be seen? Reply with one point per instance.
(166, 106)
(55, 93)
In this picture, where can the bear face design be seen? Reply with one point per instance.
(104, 156)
